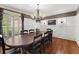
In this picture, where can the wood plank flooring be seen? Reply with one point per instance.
(61, 46)
(0, 49)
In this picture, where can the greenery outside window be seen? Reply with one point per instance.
(11, 24)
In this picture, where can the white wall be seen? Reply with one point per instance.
(30, 24)
(77, 28)
(65, 30)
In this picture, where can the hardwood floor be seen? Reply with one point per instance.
(61, 46)
(0, 49)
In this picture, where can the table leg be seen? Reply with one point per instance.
(22, 50)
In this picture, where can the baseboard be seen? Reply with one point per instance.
(77, 42)
(62, 38)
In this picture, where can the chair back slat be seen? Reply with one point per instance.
(37, 37)
(36, 45)
(47, 38)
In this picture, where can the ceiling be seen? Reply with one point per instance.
(45, 9)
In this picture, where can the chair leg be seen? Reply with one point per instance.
(24, 50)
(43, 49)
(3, 49)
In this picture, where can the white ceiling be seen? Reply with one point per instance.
(45, 9)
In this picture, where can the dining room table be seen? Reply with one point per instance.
(20, 41)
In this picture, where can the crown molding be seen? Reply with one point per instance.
(67, 14)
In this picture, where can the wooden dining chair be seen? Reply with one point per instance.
(31, 31)
(50, 35)
(37, 30)
(24, 32)
(47, 39)
(35, 47)
(48, 29)
(6, 48)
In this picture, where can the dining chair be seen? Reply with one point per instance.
(46, 39)
(24, 32)
(45, 42)
(6, 49)
(35, 47)
(37, 30)
(48, 29)
(31, 31)
(50, 35)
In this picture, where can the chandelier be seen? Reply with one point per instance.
(37, 17)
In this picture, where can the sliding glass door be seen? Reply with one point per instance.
(11, 24)
(6, 26)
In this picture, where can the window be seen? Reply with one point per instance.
(11, 24)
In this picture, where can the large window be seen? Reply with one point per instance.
(11, 24)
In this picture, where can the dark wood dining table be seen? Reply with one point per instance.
(21, 40)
